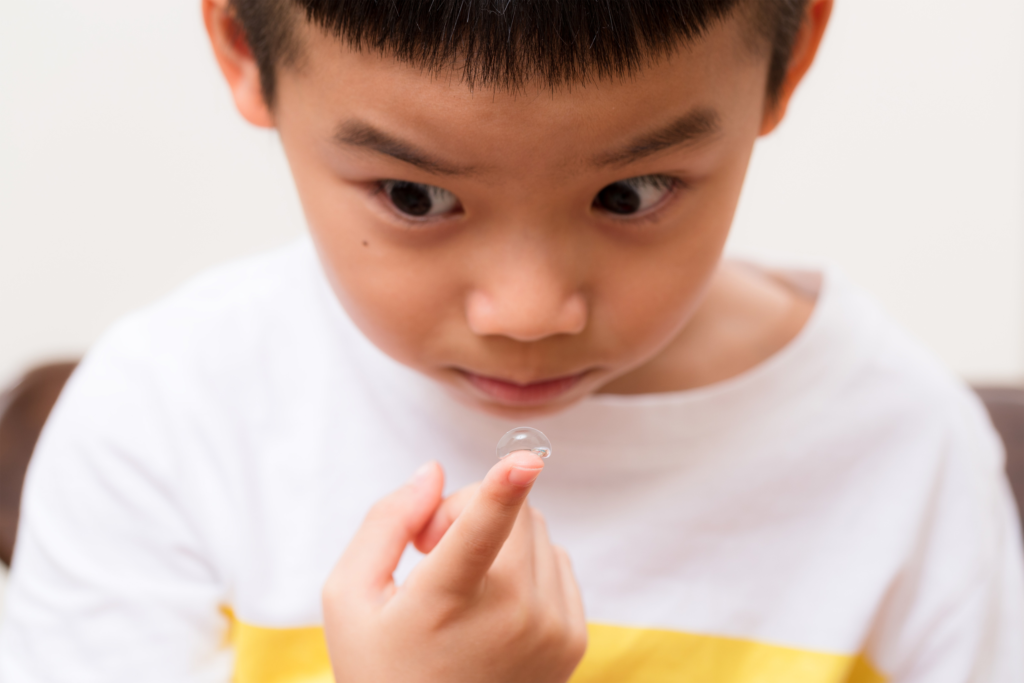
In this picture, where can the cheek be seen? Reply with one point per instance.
(395, 296)
(643, 310)
(646, 296)
(402, 302)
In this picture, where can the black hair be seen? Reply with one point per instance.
(505, 42)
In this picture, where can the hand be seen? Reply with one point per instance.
(493, 601)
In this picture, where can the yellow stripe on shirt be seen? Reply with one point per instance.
(615, 654)
(641, 655)
(279, 655)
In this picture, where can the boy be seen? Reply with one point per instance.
(517, 213)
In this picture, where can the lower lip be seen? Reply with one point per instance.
(523, 394)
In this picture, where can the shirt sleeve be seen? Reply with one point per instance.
(956, 612)
(114, 576)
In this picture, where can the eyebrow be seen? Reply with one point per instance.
(688, 129)
(360, 134)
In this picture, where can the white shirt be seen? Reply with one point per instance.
(837, 513)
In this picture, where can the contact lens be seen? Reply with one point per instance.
(524, 439)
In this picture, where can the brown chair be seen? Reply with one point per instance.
(23, 411)
(1006, 407)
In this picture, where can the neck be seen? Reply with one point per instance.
(747, 316)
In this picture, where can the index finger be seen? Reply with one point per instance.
(467, 550)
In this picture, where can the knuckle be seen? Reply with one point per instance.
(501, 498)
(553, 622)
(581, 636)
(519, 621)
(572, 638)
(502, 505)
(577, 644)
(562, 639)
(552, 629)
(477, 547)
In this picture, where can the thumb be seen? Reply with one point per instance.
(445, 515)
(467, 550)
(371, 557)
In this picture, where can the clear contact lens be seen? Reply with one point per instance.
(524, 439)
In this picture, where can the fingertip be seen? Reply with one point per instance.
(526, 459)
(428, 480)
(523, 468)
(427, 472)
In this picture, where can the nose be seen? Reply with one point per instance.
(526, 304)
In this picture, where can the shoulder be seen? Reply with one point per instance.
(226, 300)
(893, 387)
(232, 317)
(192, 384)
(223, 347)
(934, 491)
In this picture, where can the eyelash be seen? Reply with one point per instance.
(671, 183)
(379, 192)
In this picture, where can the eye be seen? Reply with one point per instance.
(419, 200)
(634, 195)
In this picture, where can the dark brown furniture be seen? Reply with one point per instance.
(1006, 407)
(24, 408)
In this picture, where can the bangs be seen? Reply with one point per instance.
(504, 43)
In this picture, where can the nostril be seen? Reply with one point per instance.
(574, 315)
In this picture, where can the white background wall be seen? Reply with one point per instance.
(124, 169)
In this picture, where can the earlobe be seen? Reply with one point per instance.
(236, 62)
(805, 48)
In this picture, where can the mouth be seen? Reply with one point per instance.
(511, 393)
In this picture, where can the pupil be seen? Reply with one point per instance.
(619, 198)
(411, 198)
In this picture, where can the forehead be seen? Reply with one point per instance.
(334, 83)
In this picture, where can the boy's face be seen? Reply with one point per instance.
(535, 275)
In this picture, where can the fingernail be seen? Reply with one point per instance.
(521, 476)
(422, 474)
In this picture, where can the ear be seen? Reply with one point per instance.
(805, 48)
(237, 62)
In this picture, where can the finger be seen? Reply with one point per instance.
(571, 591)
(446, 514)
(371, 557)
(546, 562)
(465, 553)
(517, 554)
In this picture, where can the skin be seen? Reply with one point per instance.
(524, 300)
(528, 282)
(493, 599)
